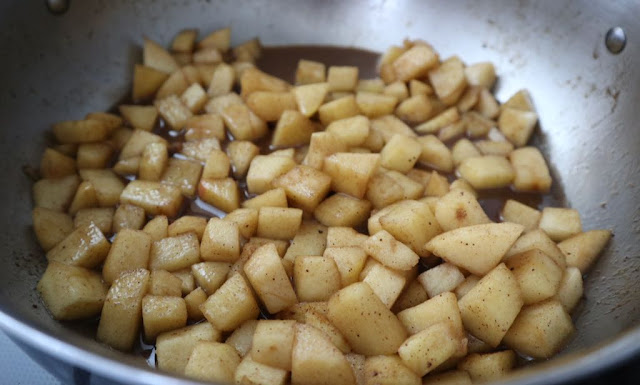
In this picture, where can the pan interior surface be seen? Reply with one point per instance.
(66, 65)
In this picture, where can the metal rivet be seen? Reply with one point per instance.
(57, 7)
(615, 40)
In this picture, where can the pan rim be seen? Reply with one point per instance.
(579, 364)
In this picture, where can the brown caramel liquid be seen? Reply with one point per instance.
(282, 62)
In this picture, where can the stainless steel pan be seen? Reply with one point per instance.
(58, 67)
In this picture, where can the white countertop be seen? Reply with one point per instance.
(19, 369)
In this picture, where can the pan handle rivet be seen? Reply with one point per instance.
(615, 40)
(57, 7)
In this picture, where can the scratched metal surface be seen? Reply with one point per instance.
(59, 67)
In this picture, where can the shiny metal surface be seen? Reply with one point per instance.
(57, 7)
(615, 40)
(61, 67)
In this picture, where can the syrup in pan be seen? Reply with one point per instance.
(282, 62)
